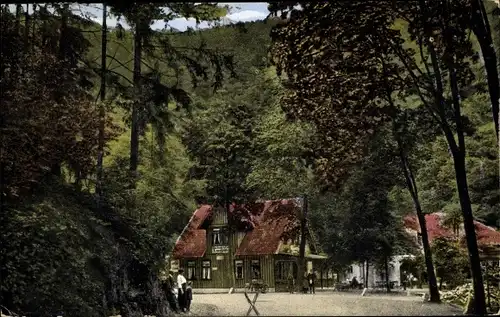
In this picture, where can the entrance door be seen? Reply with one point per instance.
(282, 269)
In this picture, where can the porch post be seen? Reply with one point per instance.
(321, 279)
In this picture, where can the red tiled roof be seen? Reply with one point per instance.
(277, 218)
(267, 223)
(433, 223)
(485, 235)
(192, 241)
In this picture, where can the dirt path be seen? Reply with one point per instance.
(282, 304)
(203, 309)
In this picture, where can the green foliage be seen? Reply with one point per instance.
(401, 199)
(162, 200)
(349, 77)
(451, 262)
(71, 257)
(235, 144)
(54, 252)
(439, 192)
(339, 92)
(281, 169)
(49, 87)
(361, 223)
(163, 197)
(221, 140)
(413, 266)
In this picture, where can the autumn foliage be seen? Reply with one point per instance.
(49, 118)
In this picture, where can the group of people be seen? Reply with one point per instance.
(309, 283)
(179, 292)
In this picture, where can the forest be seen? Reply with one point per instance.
(111, 137)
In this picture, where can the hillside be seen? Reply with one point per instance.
(246, 42)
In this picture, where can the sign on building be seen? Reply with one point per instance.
(220, 249)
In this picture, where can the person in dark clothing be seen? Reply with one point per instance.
(189, 296)
(311, 279)
(181, 284)
(291, 282)
(168, 287)
(354, 283)
(305, 283)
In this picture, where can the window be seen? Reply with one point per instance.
(238, 269)
(206, 270)
(219, 237)
(191, 270)
(350, 269)
(283, 269)
(255, 267)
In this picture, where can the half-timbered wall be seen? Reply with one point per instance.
(220, 266)
(223, 261)
(222, 271)
(219, 217)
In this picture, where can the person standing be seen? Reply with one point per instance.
(291, 282)
(311, 278)
(189, 296)
(181, 285)
(305, 283)
(354, 283)
(168, 288)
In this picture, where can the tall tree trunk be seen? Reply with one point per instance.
(411, 185)
(102, 112)
(16, 71)
(62, 32)
(367, 271)
(134, 133)
(481, 29)
(386, 267)
(27, 20)
(459, 154)
(33, 28)
(321, 276)
(232, 265)
(302, 248)
(470, 233)
(56, 168)
(19, 11)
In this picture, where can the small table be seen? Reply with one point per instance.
(252, 303)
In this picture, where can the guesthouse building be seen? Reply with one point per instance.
(223, 248)
(488, 240)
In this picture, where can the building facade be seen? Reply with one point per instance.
(221, 249)
(487, 237)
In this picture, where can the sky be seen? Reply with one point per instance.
(244, 12)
